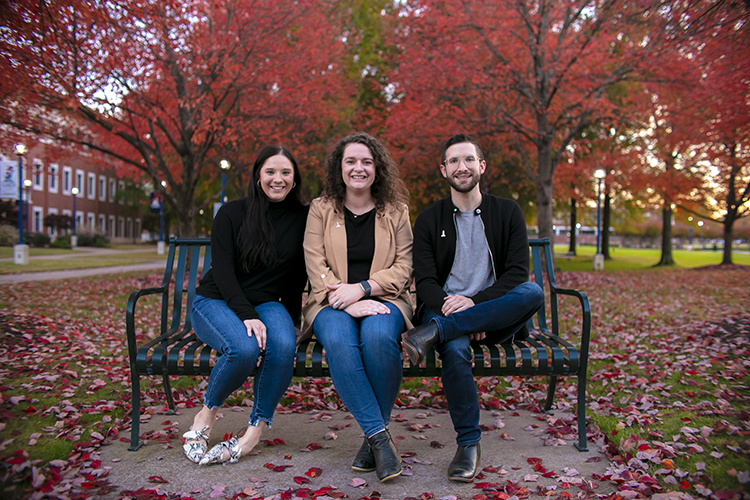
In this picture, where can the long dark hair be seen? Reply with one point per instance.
(256, 238)
(387, 189)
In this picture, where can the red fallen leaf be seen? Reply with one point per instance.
(643, 447)
(533, 461)
(157, 479)
(269, 465)
(278, 441)
(287, 457)
(313, 446)
(550, 474)
(401, 438)
(227, 436)
(281, 468)
(426, 496)
(566, 494)
(30, 409)
(491, 469)
(326, 490)
(314, 472)
(300, 479)
(408, 454)
(166, 422)
(515, 414)
(482, 486)
(594, 459)
(436, 444)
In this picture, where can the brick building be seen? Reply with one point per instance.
(53, 175)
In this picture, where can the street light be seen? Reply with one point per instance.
(20, 251)
(598, 257)
(160, 244)
(27, 184)
(74, 238)
(224, 164)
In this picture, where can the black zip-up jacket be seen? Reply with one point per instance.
(435, 249)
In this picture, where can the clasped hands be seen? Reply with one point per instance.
(346, 297)
(456, 303)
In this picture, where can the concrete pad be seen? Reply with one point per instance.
(507, 449)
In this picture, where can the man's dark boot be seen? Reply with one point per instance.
(419, 340)
(465, 464)
(387, 464)
(365, 460)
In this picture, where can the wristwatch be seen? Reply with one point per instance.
(366, 287)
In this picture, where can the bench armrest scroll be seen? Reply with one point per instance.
(130, 316)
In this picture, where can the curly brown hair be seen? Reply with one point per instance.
(387, 189)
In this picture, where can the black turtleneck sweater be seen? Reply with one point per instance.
(284, 281)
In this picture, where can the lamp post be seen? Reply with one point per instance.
(160, 244)
(74, 238)
(20, 251)
(598, 257)
(27, 185)
(224, 164)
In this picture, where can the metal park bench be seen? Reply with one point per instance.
(177, 351)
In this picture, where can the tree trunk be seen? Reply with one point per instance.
(728, 232)
(605, 226)
(666, 236)
(572, 247)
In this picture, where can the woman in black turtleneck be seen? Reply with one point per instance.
(245, 303)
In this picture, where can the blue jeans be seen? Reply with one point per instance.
(364, 358)
(503, 317)
(218, 326)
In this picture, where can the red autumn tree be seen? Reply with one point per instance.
(530, 75)
(169, 88)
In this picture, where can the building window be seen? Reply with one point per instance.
(91, 186)
(138, 227)
(129, 228)
(120, 226)
(67, 180)
(111, 229)
(37, 176)
(79, 183)
(112, 190)
(90, 222)
(102, 224)
(79, 221)
(52, 184)
(102, 190)
(120, 187)
(52, 231)
(37, 224)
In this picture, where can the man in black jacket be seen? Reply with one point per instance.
(471, 263)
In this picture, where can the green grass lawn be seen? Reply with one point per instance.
(631, 259)
(7, 252)
(77, 261)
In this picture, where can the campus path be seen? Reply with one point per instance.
(81, 252)
(508, 449)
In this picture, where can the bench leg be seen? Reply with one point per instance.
(551, 387)
(135, 415)
(168, 394)
(582, 444)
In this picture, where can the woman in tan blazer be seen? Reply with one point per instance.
(357, 246)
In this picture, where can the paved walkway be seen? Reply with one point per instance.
(334, 438)
(81, 252)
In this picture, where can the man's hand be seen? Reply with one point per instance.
(455, 303)
(367, 308)
(257, 328)
(343, 295)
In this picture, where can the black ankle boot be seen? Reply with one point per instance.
(419, 340)
(365, 460)
(465, 463)
(387, 464)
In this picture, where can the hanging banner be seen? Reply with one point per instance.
(9, 180)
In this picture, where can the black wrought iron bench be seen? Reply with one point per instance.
(177, 351)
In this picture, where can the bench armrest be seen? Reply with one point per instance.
(585, 314)
(130, 316)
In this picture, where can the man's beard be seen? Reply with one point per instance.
(465, 188)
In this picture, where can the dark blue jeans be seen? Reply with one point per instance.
(365, 360)
(503, 317)
(218, 326)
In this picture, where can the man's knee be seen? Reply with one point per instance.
(532, 292)
(456, 351)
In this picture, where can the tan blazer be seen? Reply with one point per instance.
(327, 264)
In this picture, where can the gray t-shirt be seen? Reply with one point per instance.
(472, 267)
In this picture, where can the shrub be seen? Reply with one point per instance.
(39, 240)
(8, 235)
(93, 240)
(62, 241)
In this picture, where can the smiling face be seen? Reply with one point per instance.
(358, 167)
(277, 178)
(463, 178)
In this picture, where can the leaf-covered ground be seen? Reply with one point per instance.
(668, 396)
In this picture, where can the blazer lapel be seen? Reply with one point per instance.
(382, 243)
(337, 233)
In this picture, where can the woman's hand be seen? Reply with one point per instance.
(257, 328)
(367, 308)
(342, 295)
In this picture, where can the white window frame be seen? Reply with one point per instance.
(37, 175)
(67, 178)
(120, 187)
(53, 182)
(121, 226)
(102, 224)
(91, 186)
(90, 221)
(79, 180)
(111, 227)
(79, 221)
(51, 230)
(112, 189)
(102, 188)
(37, 219)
